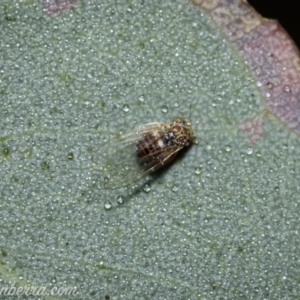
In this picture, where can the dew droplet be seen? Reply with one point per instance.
(176, 104)
(70, 155)
(146, 188)
(227, 149)
(120, 200)
(249, 151)
(164, 109)
(197, 171)
(287, 88)
(268, 95)
(126, 108)
(174, 188)
(107, 205)
(141, 98)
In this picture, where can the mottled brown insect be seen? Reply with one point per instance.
(143, 151)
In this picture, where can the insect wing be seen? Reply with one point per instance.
(121, 166)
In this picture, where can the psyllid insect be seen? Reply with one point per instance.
(143, 151)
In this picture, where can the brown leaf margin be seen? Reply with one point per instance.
(270, 54)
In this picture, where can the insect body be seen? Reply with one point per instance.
(144, 151)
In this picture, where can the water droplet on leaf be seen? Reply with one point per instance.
(147, 188)
(249, 151)
(287, 88)
(197, 171)
(107, 205)
(120, 200)
(164, 109)
(126, 108)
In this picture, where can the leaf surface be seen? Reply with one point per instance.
(221, 221)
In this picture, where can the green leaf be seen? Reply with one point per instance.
(221, 220)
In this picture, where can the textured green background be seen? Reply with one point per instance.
(221, 221)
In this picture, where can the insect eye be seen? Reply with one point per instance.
(166, 139)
